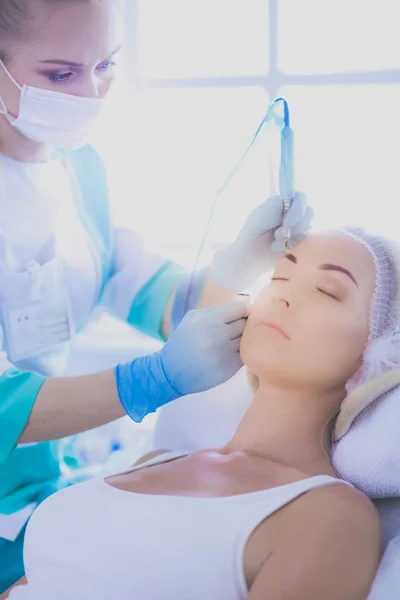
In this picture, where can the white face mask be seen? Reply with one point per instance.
(53, 118)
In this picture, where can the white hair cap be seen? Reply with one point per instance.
(382, 353)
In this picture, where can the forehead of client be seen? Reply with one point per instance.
(335, 257)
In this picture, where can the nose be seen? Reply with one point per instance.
(94, 87)
(90, 88)
(279, 300)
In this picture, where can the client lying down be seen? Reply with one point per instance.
(264, 516)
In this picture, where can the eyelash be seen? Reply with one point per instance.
(319, 289)
(59, 77)
(107, 65)
(328, 294)
(279, 279)
(65, 77)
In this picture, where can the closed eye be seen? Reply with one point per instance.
(319, 289)
(327, 294)
(279, 279)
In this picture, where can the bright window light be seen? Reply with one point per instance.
(211, 38)
(200, 77)
(338, 37)
(347, 152)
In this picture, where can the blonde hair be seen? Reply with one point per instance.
(16, 21)
(253, 381)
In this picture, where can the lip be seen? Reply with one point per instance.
(273, 325)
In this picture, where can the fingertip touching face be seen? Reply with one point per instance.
(71, 47)
(309, 327)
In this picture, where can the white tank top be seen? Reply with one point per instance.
(94, 542)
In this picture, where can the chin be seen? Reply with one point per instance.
(268, 365)
(262, 357)
(269, 371)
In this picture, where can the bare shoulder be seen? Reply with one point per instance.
(346, 503)
(339, 507)
(343, 519)
(329, 546)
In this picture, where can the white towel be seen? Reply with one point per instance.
(361, 397)
(368, 456)
(387, 582)
(386, 585)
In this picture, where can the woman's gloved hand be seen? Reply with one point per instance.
(202, 353)
(258, 245)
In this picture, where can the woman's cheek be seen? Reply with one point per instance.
(322, 333)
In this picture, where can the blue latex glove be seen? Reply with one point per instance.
(258, 245)
(202, 352)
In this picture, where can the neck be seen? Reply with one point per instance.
(290, 428)
(15, 145)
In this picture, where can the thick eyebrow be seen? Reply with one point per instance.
(291, 257)
(69, 63)
(325, 267)
(329, 267)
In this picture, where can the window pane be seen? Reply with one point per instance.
(347, 157)
(184, 145)
(339, 36)
(211, 38)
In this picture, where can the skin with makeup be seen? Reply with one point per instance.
(305, 337)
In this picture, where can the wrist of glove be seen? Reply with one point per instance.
(143, 386)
